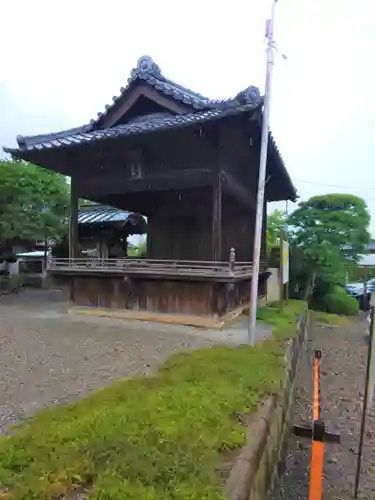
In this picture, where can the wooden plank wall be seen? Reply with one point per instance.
(194, 298)
(180, 227)
(161, 296)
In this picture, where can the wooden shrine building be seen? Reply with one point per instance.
(187, 163)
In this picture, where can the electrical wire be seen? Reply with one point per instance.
(360, 190)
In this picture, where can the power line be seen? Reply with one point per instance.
(332, 185)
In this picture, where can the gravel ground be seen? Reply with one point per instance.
(342, 378)
(48, 356)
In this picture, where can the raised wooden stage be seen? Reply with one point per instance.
(208, 289)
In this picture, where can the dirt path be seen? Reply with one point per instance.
(343, 373)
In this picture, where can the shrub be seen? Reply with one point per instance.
(15, 282)
(8, 257)
(338, 301)
(329, 318)
(274, 257)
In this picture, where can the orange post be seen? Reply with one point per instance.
(318, 434)
(317, 454)
(316, 390)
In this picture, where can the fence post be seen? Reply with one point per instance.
(367, 402)
(49, 258)
(365, 301)
(232, 259)
(281, 269)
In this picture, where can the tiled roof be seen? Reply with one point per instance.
(149, 123)
(203, 109)
(99, 213)
(37, 139)
(149, 72)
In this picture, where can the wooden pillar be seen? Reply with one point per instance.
(73, 231)
(263, 250)
(217, 219)
(281, 272)
(104, 248)
(289, 260)
(73, 222)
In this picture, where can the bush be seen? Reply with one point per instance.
(324, 318)
(8, 257)
(15, 283)
(274, 257)
(338, 301)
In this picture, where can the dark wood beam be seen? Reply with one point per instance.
(217, 219)
(235, 189)
(184, 202)
(126, 102)
(263, 248)
(122, 184)
(73, 230)
(73, 222)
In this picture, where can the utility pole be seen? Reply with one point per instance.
(261, 179)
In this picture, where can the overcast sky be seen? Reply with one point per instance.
(60, 63)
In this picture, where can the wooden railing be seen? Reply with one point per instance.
(153, 267)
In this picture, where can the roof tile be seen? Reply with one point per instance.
(101, 213)
(148, 71)
(203, 109)
(150, 123)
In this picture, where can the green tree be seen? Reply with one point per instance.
(139, 250)
(275, 222)
(33, 203)
(332, 232)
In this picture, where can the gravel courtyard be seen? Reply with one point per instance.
(48, 356)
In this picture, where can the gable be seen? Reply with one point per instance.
(140, 100)
(148, 92)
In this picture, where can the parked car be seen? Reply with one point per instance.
(357, 291)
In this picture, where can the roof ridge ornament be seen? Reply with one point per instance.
(146, 65)
(249, 95)
(21, 140)
(148, 72)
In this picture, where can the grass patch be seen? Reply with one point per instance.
(149, 438)
(329, 318)
(281, 320)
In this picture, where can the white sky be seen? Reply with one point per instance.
(60, 63)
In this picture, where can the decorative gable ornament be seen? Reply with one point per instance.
(146, 64)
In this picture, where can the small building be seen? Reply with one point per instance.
(103, 231)
(371, 247)
(367, 262)
(190, 165)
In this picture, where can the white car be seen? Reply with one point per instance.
(357, 289)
